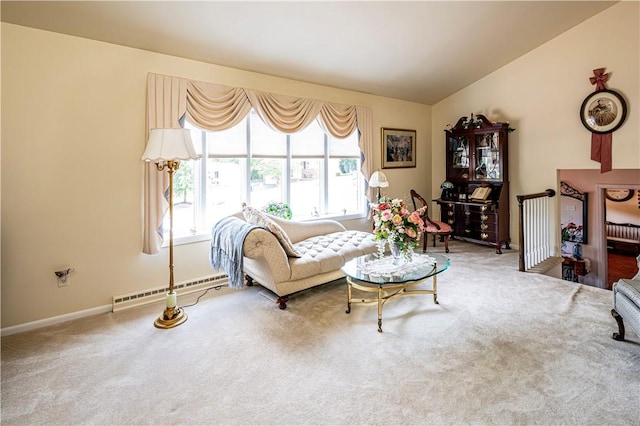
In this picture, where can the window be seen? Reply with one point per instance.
(316, 174)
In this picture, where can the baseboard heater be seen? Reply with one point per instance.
(144, 297)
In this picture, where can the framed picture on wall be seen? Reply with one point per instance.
(603, 111)
(398, 148)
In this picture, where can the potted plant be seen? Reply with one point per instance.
(278, 208)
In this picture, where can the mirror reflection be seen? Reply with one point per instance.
(573, 216)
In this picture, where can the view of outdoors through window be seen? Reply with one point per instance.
(315, 174)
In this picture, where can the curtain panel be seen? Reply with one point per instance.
(166, 105)
(218, 107)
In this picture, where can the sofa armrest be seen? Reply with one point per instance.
(261, 243)
(298, 231)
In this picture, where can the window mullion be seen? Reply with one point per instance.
(200, 182)
(287, 173)
(325, 175)
(247, 162)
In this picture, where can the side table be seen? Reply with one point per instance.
(573, 268)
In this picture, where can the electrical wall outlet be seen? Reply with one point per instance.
(64, 277)
(64, 281)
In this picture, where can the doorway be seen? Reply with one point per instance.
(622, 231)
(595, 183)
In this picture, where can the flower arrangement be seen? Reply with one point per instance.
(572, 232)
(395, 224)
(278, 208)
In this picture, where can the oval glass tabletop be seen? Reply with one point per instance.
(370, 269)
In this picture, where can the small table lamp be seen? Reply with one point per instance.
(166, 147)
(378, 180)
(447, 190)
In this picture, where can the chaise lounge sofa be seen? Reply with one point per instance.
(307, 255)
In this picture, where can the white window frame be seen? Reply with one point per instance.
(201, 233)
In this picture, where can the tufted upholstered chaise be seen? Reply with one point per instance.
(324, 245)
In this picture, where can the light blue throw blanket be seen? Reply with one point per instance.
(227, 239)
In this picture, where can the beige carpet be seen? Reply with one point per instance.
(503, 347)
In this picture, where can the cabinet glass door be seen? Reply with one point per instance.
(487, 157)
(458, 157)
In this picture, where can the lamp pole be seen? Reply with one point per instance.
(166, 147)
(172, 315)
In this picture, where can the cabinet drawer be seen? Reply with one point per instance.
(477, 234)
(486, 208)
(488, 217)
(484, 227)
(481, 217)
(488, 236)
(485, 236)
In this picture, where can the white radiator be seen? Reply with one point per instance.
(536, 231)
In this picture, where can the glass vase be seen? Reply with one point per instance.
(396, 253)
(577, 251)
(380, 245)
(408, 255)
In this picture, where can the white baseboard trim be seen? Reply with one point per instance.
(144, 297)
(7, 331)
(127, 301)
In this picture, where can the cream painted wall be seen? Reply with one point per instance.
(73, 126)
(626, 211)
(540, 94)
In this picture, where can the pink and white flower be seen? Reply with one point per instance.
(394, 223)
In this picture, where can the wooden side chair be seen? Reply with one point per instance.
(432, 227)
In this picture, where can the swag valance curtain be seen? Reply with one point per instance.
(218, 107)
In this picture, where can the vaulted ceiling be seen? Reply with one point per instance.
(420, 51)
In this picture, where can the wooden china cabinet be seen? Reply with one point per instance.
(475, 197)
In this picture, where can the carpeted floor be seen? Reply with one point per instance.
(502, 347)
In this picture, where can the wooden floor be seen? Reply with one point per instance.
(620, 266)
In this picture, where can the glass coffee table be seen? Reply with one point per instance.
(389, 280)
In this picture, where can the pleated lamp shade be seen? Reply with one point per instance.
(378, 180)
(169, 145)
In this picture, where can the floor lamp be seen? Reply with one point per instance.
(378, 180)
(166, 147)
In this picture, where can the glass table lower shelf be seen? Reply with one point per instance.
(390, 280)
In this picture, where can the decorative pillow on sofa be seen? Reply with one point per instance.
(256, 217)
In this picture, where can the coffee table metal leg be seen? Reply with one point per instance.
(379, 309)
(435, 290)
(348, 295)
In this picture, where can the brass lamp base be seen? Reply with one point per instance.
(171, 317)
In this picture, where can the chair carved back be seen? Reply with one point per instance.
(415, 196)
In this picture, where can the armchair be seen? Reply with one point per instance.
(432, 227)
(626, 304)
